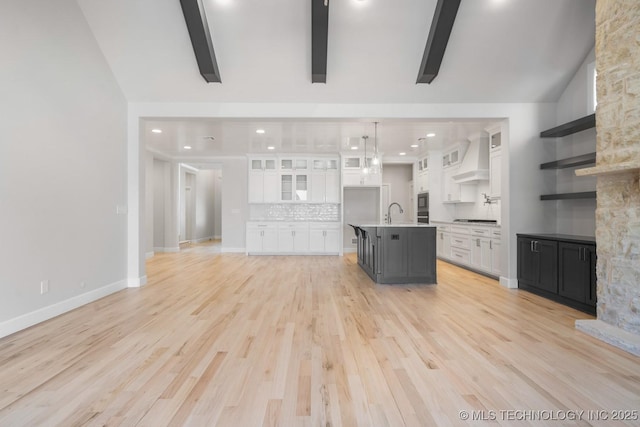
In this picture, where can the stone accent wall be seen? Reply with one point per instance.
(618, 142)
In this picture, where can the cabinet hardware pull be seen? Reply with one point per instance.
(478, 242)
(491, 244)
(531, 246)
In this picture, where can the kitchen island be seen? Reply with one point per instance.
(397, 253)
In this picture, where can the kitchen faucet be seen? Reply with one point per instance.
(389, 211)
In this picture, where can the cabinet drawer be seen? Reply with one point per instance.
(480, 231)
(462, 242)
(462, 256)
(460, 229)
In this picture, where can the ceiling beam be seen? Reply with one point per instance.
(319, 36)
(439, 33)
(198, 27)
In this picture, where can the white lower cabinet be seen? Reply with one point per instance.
(443, 242)
(262, 238)
(324, 238)
(470, 246)
(481, 253)
(292, 238)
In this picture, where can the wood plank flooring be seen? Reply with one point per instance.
(229, 340)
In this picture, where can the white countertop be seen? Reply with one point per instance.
(474, 224)
(399, 224)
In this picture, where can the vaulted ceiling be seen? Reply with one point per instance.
(499, 50)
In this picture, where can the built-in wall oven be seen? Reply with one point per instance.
(423, 208)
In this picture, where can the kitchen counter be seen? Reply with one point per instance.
(400, 224)
(397, 253)
(477, 224)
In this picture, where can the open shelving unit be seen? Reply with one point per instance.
(570, 162)
(569, 196)
(575, 126)
(578, 125)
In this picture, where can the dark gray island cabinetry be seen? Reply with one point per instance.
(402, 253)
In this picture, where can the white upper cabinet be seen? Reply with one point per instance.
(263, 180)
(294, 179)
(421, 181)
(495, 162)
(352, 175)
(325, 181)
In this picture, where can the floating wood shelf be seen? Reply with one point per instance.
(585, 159)
(575, 126)
(569, 196)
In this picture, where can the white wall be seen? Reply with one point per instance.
(235, 208)
(398, 176)
(205, 205)
(217, 205)
(575, 216)
(159, 197)
(63, 164)
(361, 206)
(149, 205)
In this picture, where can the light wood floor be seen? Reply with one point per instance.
(229, 340)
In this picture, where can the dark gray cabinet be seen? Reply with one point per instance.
(398, 254)
(559, 267)
(537, 263)
(577, 272)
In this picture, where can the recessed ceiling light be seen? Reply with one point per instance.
(414, 145)
(354, 147)
(260, 131)
(210, 138)
(187, 147)
(431, 135)
(156, 130)
(271, 147)
(403, 153)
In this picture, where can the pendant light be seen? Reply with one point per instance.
(376, 161)
(365, 162)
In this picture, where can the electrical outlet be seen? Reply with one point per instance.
(44, 287)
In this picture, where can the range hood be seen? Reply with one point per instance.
(475, 165)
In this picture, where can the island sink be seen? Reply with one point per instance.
(397, 253)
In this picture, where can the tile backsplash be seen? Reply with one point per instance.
(294, 212)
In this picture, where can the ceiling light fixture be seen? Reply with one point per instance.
(260, 131)
(403, 153)
(156, 130)
(431, 135)
(365, 161)
(414, 145)
(354, 147)
(187, 147)
(376, 161)
(271, 147)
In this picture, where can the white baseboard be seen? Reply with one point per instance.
(350, 250)
(218, 237)
(136, 282)
(509, 283)
(24, 321)
(149, 255)
(204, 239)
(159, 249)
(233, 250)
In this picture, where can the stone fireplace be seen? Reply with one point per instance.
(618, 174)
